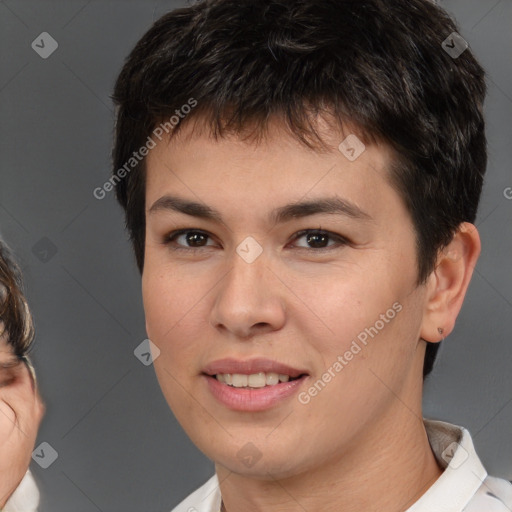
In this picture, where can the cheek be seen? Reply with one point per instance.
(7, 421)
(171, 309)
(341, 305)
(156, 310)
(167, 325)
(165, 299)
(366, 314)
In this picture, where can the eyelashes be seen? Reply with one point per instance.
(311, 236)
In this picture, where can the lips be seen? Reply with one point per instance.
(238, 384)
(251, 366)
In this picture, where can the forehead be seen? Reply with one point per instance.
(196, 143)
(273, 164)
(323, 132)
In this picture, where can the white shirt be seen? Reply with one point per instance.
(464, 485)
(25, 498)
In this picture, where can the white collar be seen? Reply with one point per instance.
(463, 472)
(26, 496)
(453, 448)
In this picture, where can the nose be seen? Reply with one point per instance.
(249, 299)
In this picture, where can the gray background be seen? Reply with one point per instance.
(119, 446)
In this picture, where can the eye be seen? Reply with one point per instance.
(193, 239)
(317, 239)
(197, 239)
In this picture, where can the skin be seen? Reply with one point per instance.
(299, 304)
(21, 411)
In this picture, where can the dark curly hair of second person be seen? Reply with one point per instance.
(15, 318)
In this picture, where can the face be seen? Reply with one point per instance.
(292, 262)
(20, 404)
(10, 365)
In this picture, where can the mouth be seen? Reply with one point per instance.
(254, 384)
(255, 380)
(253, 373)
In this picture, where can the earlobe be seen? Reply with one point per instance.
(448, 283)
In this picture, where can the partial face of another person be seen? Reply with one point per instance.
(265, 278)
(21, 411)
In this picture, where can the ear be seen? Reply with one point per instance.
(447, 284)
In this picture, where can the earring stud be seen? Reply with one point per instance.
(440, 330)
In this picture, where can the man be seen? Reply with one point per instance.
(21, 409)
(300, 181)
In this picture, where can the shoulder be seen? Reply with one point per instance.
(494, 495)
(204, 499)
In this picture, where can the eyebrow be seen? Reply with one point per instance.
(298, 209)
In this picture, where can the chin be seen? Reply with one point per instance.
(265, 464)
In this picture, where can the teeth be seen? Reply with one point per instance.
(272, 379)
(255, 380)
(239, 380)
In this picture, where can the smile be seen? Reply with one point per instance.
(254, 380)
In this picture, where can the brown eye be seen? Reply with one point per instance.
(319, 239)
(195, 238)
(190, 239)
